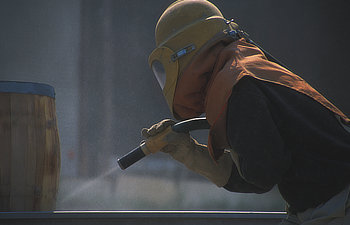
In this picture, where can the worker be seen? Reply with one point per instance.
(268, 126)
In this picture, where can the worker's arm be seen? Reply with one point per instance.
(186, 150)
(258, 149)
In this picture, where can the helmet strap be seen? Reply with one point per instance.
(183, 51)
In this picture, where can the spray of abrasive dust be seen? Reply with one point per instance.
(88, 184)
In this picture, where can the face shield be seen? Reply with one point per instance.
(166, 71)
(159, 73)
(165, 66)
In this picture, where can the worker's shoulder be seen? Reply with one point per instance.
(250, 84)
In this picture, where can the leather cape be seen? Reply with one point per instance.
(206, 85)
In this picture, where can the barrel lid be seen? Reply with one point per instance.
(27, 88)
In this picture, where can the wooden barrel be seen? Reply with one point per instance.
(29, 147)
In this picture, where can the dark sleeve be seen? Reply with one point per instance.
(237, 184)
(254, 137)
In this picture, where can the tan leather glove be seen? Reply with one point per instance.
(183, 148)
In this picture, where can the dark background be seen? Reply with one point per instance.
(94, 53)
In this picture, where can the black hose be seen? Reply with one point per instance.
(181, 127)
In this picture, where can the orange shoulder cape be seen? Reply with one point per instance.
(197, 92)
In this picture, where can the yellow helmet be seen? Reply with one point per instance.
(181, 31)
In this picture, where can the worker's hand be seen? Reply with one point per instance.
(161, 137)
(183, 148)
